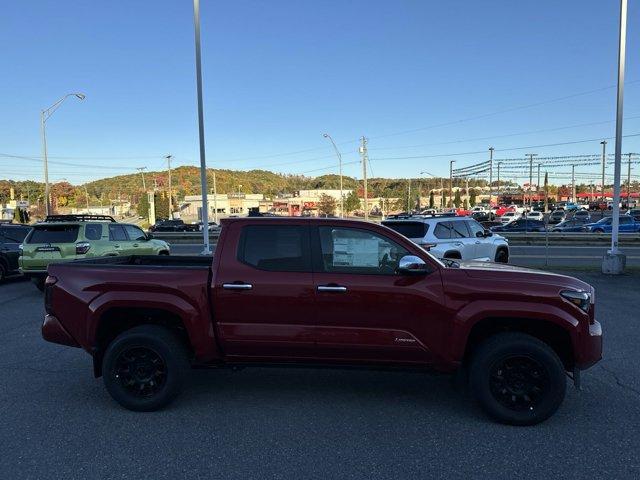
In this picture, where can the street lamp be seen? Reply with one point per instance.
(44, 116)
(326, 135)
(441, 186)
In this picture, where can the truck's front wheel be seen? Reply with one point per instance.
(517, 379)
(144, 368)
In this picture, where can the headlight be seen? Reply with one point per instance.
(580, 299)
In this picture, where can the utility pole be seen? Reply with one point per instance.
(538, 184)
(442, 193)
(531, 155)
(203, 161)
(141, 170)
(573, 183)
(498, 199)
(365, 159)
(490, 174)
(86, 193)
(604, 158)
(409, 198)
(169, 157)
(215, 200)
(451, 162)
(467, 192)
(629, 181)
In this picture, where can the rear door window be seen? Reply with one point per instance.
(275, 248)
(54, 234)
(442, 230)
(117, 233)
(93, 231)
(13, 234)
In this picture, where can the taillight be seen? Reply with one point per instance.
(82, 248)
(20, 250)
(49, 282)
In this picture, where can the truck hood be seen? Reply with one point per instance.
(489, 271)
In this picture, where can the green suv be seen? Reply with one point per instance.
(72, 237)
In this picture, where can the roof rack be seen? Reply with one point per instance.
(78, 218)
(404, 216)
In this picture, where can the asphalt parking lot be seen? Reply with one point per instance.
(57, 421)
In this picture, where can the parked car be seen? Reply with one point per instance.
(626, 224)
(70, 237)
(510, 216)
(211, 226)
(556, 216)
(597, 205)
(521, 225)
(571, 225)
(11, 236)
(635, 213)
(582, 215)
(460, 238)
(356, 293)
(500, 211)
(483, 216)
(173, 226)
(535, 215)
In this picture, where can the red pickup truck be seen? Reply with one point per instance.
(325, 292)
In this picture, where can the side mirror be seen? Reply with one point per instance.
(481, 234)
(412, 265)
(149, 236)
(488, 233)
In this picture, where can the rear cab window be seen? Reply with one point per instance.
(53, 234)
(93, 231)
(117, 233)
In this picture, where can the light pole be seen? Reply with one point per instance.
(44, 116)
(498, 199)
(604, 158)
(339, 155)
(441, 186)
(614, 260)
(451, 162)
(203, 161)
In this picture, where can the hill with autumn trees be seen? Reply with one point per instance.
(186, 181)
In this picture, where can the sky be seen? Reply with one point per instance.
(425, 81)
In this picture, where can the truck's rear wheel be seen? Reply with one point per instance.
(517, 379)
(144, 368)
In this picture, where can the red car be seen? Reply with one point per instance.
(325, 292)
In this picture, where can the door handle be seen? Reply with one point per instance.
(116, 246)
(478, 242)
(332, 288)
(237, 286)
(135, 244)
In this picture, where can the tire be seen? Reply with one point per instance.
(453, 255)
(531, 393)
(502, 255)
(598, 230)
(163, 252)
(161, 362)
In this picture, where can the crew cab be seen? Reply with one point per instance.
(324, 292)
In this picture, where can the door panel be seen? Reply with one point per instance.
(263, 295)
(378, 316)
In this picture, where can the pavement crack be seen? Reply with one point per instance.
(619, 382)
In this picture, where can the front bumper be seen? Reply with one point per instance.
(54, 332)
(591, 347)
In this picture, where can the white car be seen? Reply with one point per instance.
(448, 236)
(508, 217)
(535, 216)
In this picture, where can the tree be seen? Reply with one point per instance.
(457, 201)
(351, 202)
(472, 197)
(466, 204)
(431, 200)
(143, 206)
(326, 205)
(162, 205)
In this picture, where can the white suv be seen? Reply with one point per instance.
(446, 236)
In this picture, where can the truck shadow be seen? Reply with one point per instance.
(293, 388)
